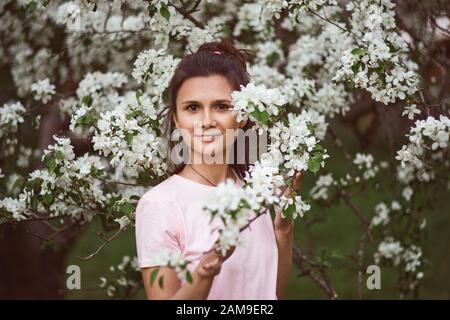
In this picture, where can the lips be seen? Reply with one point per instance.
(208, 137)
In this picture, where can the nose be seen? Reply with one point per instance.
(208, 120)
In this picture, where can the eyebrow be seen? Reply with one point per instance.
(215, 101)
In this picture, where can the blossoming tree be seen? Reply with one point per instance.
(85, 89)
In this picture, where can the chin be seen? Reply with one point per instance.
(208, 151)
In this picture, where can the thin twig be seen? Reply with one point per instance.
(105, 242)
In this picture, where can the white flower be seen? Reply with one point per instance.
(407, 193)
(389, 249)
(123, 221)
(64, 146)
(103, 282)
(232, 207)
(427, 139)
(295, 140)
(172, 259)
(257, 103)
(300, 206)
(411, 111)
(43, 90)
(412, 257)
(392, 76)
(101, 88)
(69, 14)
(320, 189)
(395, 205)
(264, 178)
(382, 215)
(131, 140)
(156, 67)
(11, 114)
(16, 207)
(79, 113)
(365, 162)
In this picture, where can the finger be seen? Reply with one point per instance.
(214, 262)
(298, 180)
(230, 252)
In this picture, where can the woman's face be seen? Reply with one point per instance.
(204, 115)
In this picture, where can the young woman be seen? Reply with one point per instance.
(169, 216)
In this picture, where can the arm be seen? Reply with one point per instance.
(284, 238)
(284, 234)
(172, 288)
(202, 279)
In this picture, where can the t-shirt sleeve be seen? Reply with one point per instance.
(156, 230)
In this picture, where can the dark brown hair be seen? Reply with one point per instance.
(230, 63)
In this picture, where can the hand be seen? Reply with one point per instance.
(284, 224)
(211, 264)
(297, 183)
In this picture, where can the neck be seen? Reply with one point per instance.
(215, 173)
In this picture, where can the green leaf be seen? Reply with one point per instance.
(34, 202)
(153, 276)
(338, 254)
(94, 171)
(164, 11)
(161, 282)
(126, 208)
(50, 162)
(19, 183)
(154, 123)
(88, 119)
(260, 116)
(31, 184)
(314, 165)
(48, 198)
(381, 67)
(272, 210)
(226, 29)
(310, 127)
(129, 138)
(59, 155)
(271, 59)
(87, 100)
(356, 67)
(31, 6)
(318, 147)
(359, 51)
(188, 277)
(323, 261)
(138, 95)
(289, 211)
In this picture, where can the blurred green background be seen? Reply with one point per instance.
(341, 231)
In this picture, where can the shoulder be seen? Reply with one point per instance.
(161, 196)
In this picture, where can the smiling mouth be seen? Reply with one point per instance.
(208, 137)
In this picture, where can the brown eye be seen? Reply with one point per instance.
(192, 107)
(222, 107)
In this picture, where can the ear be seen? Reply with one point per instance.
(174, 117)
(243, 123)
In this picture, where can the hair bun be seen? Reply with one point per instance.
(226, 47)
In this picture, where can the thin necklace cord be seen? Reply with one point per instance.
(228, 169)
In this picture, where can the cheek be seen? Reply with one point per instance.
(185, 122)
(230, 125)
(228, 121)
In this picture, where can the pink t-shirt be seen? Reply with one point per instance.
(169, 216)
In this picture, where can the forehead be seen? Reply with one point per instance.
(205, 88)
